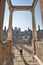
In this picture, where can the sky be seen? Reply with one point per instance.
(22, 19)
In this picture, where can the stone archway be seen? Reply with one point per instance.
(2, 8)
(24, 8)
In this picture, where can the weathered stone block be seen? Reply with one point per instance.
(39, 49)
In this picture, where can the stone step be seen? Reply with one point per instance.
(25, 63)
(26, 58)
(25, 49)
(18, 60)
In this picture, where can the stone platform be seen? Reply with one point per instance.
(26, 58)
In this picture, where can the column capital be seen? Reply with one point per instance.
(32, 10)
(11, 9)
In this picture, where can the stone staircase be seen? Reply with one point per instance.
(23, 59)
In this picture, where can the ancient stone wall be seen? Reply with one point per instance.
(39, 50)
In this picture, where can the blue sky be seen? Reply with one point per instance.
(23, 19)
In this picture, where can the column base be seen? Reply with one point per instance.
(34, 46)
(9, 41)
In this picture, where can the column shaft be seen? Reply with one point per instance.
(34, 33)
(34, 27)
(2, 8)
(41, 7)
(10, 27)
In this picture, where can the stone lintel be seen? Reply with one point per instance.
(21, 8)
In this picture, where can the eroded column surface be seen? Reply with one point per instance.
(9, 40)
(34, 33)
(41, 7)
(34, 26)
(10, 27)
(2, 8)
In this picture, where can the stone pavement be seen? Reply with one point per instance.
(24, 58)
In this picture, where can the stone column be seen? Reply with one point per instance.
(2, 8)
(9, 39)
(34, 26)
(41, 7)
(9, 36)
(10, 27)
(34, 33)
